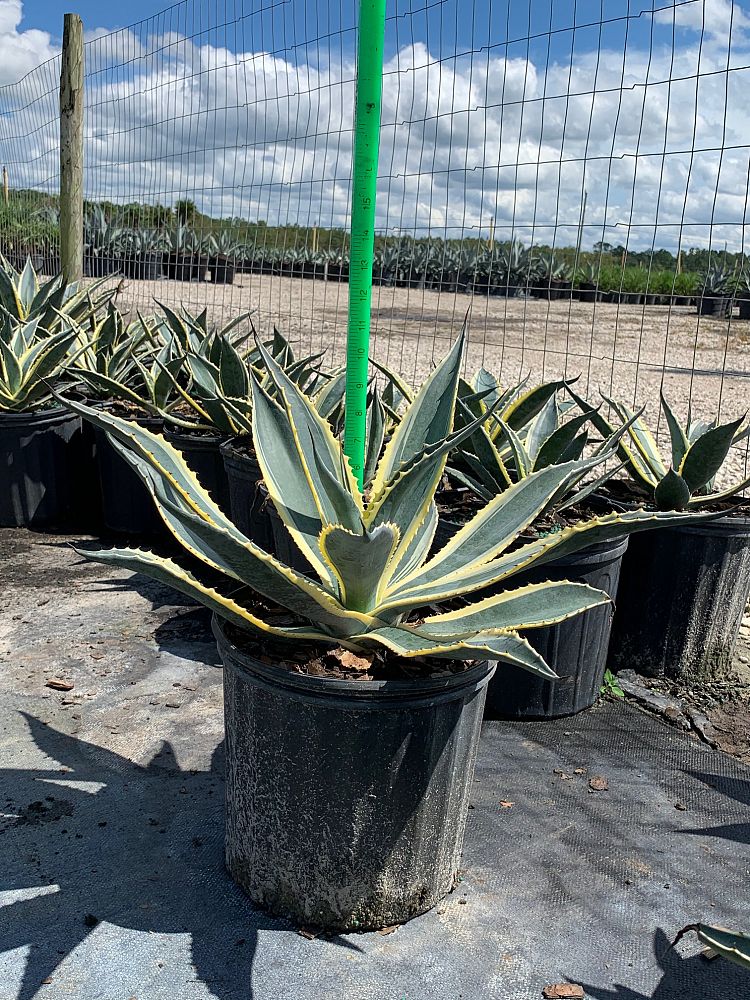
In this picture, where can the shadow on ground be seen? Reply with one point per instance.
(682, 978)
(739, 791)
(139, 847)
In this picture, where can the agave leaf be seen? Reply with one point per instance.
(642, 439)
(672, 492)
(225, 548)
(544, 424)
(427, 421)
(328, 398)
(557, 446)
(169, 572)
(492, 528)
(288, 482)
(157, 452)
(732, 945)
(680, 443)
(507, 647)
(359, 561)
(375, 436)
(530, 403)
(706, 455)
(28, 286)
(426, 588)
(521, 458)
(405, 501)
(319, 450)
(536, 605)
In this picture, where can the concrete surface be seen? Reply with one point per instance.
(112, 885)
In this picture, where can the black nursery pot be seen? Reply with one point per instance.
(247, 500)
(714, 305)
(202, 452)
(37, 485)
(682, 595)
(575, 649)
(222, 270)
(144, 267)
(127, 506)
(346, 801)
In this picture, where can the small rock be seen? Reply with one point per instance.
(59, 684)
(598, 784)
(563, 991)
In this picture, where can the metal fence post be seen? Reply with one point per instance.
(71, 149)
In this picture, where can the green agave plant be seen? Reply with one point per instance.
(23, 298)
(107, 352)
(699, 449)
(546, 439)
(31, 360)
(372, 584)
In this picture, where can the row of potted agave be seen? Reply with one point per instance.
(362, 629)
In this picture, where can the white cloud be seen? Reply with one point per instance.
(20, 51)
(464, 141)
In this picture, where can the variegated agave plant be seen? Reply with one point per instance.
(372, 585)
(532, 431)
(23, 298)
(698, 451)
(31, 362)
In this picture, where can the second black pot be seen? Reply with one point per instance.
(247, 501)
(202, 452)
(683, 592)
(575, 649)
(37, 486)
(127, 505)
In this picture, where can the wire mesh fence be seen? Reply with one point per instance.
(575, 176)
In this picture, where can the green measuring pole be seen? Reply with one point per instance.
(364, 183)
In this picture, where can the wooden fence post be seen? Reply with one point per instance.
(71, 149)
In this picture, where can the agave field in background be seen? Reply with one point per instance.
(172, 246)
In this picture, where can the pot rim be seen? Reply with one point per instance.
(307, 687)
(56, 414)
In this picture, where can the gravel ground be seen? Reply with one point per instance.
(624, 348)
(629, 351)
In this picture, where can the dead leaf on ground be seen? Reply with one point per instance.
(505, 804)
(388, 930)
(59, 684)
(305, 932)
(563, 991)
(354, 661)
(561, 774)
(580, 770)
(598, 784)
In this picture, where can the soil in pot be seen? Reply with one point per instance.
(127, 506)
(682, 595)
(248, 506)
(38, 485)
(346, 797)
(202, 452)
